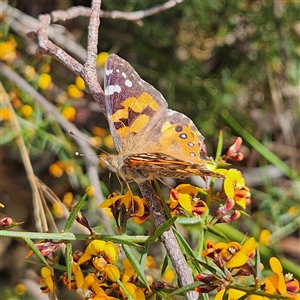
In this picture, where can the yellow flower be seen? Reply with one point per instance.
(107, 250)
(168, 275)
(79, 278)
(67, 199)
(134, 291)
(96, 141)
(232, 294)
(8, 51)
(20, 289)
(91, 284)
(109, 142)
(280, 284)
(183, 194)
(101, 58)
(74, 91)
(128, 270)
(29, 72)
(5, 114)
(234, 186)
(265, 237)
(69, 113)
(237, 255)
(56, 169)
(47, 279)
(135, 203)
(45, 81)
(80, 83)
(57, 210)
(90, 190)
(26, 111)
(150, 262)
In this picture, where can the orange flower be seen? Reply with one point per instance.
(57, 169)
(5, 114)
(67, 199)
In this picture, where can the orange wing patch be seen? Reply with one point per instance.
(125, 122)
(182, 137)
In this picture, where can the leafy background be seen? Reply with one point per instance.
(206, 57)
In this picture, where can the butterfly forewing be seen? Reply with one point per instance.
(132, 104)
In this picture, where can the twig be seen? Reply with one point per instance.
(81, 11)
(87, 72)
(168, 238)
(138, 15)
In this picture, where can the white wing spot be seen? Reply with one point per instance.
(124, 74)
(128, 83)
(117, 70)
(111, 89)
(108, 72)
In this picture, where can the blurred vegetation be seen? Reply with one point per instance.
(206, 57)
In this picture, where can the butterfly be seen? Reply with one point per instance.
(152, 141)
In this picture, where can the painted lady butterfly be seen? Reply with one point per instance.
(152, 140)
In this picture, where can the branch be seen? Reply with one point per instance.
(87, 71)
(168, 238)
(81, 11)
(138, 15)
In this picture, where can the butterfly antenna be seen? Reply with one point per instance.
(164, 183)
(93, 146)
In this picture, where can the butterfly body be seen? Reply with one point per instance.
(152, 140)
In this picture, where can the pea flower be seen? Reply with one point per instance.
(103, 256)
(233, 151)
(182, 197)
(46, 283)
(135, 206)
(280, 284)
(235, 188)
(233, 294)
